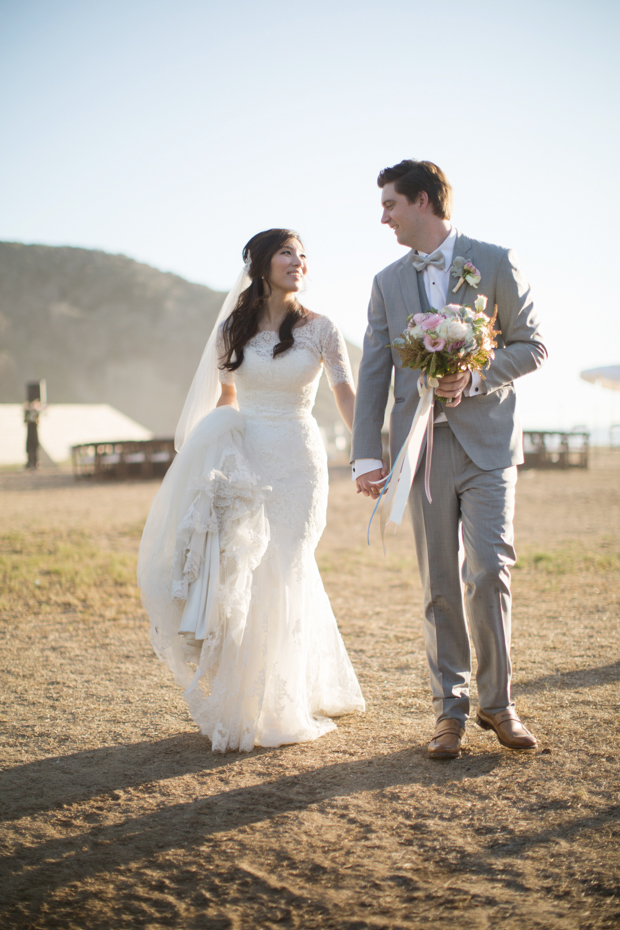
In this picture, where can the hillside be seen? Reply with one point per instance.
(106, 329)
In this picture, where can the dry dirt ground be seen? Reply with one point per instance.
(115, 813)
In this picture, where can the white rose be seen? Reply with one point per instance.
(456, 331)
(442, 330)
(481, 303)
(416, 332)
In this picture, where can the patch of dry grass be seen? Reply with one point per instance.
(593, 556)
(54, 570)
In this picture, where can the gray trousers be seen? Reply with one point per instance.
(464, 543)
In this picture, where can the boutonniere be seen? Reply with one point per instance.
(465, 272)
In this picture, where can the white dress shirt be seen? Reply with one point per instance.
(436, 284)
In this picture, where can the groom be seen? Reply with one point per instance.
(477, 447)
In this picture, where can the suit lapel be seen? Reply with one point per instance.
(408, 280)
(462, 248)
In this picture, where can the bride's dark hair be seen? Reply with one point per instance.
(242, 323)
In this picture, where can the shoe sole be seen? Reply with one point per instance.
(485, 725)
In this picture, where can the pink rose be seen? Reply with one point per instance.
(419, 318)
(471, 274)
(434, 343)
(432, 321)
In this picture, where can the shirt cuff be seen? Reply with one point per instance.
(476, 386)
(363, 466)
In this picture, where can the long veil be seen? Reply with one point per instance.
(172, 539)
(205, 390)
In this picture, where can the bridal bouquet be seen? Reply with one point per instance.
(444, 342)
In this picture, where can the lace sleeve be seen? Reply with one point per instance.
(226, 377)
(335, 356)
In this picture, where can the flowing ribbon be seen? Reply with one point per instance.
(395, 492)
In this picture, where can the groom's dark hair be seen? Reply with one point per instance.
(411, 177)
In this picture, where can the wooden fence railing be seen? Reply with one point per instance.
(120, 460)
(548, 449)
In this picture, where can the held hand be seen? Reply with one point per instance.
(365, 484)
(452, 387)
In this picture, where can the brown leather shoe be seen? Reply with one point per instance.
(446, 742)
(508, 728)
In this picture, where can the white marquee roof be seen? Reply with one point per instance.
(62, 426)
(609, 377)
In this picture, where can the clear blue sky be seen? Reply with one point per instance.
(173, 130)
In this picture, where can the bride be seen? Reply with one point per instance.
(227, 569)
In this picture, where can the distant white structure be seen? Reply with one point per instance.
(607, 377)
(62, 426)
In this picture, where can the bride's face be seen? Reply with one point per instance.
(288, 267)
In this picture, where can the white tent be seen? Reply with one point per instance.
(608, 377)
(62, 426)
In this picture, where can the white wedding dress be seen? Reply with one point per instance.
(227, 569)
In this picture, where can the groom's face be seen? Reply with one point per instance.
(406, 219)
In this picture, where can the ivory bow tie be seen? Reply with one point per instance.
(437, 260)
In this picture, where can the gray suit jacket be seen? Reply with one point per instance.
(485, 425)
